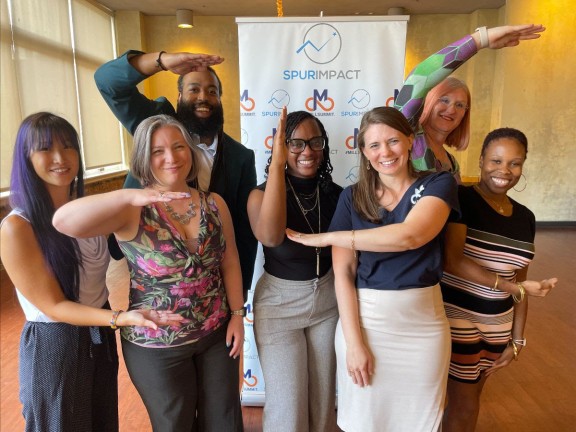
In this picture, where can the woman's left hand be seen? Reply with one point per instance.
(235, 335)
(317, 240)
(503, 361)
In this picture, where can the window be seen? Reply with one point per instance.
(50, 50)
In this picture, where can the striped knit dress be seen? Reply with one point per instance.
(481, 319)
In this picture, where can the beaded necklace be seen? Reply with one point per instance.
(185, 218)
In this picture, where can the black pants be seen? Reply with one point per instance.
(188, 387)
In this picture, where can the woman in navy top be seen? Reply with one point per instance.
(393, 339)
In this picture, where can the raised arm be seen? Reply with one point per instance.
(21, 252)
(267, 209)
(232, 277)
(458, 264)
(440, 65)
(117, 82)
(179, 63)
(115, 212)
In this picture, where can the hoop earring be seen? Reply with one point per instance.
(367, 165)
(525, 184)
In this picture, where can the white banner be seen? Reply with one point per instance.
(336, 68)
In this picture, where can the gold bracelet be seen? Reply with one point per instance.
(515, 350)
(522, 291)
(496, 283)
(522, 294)
(353, 243)
(115, 314)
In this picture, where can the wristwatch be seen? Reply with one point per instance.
(241, 312)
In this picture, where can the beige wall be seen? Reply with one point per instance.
(538, 95)
(523, 87)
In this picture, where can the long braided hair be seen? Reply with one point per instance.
(293, 120)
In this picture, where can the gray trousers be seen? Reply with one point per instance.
(294, 325)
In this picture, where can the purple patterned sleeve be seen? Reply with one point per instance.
(426, 75)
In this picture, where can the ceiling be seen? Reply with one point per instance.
(267, 8)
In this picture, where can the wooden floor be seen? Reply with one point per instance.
(535, 394)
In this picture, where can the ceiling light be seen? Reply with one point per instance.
(185, 18)
(396, 11)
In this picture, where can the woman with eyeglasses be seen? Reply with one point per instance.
(438, 106)
(295, 311)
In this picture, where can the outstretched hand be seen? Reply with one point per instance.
(316, 240)
(182, 63)
(149, 318)
(509, 36)
(144, 197)
(539, 289)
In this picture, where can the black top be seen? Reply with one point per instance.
(293, 261)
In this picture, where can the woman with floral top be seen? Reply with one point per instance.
(180, 247)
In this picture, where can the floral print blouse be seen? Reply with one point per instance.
(164, 275)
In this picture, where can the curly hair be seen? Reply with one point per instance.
(293, 120)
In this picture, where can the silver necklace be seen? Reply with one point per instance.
(185, 218)
(304, 213)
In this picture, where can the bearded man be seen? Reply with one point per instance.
(229, 166)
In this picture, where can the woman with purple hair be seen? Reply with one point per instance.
(68, 370)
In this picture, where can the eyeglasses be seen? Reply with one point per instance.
(297, 145)
(460, 106)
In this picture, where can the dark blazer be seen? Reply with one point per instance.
(234, 171)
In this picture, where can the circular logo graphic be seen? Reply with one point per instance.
(279, 99)
(360, 99)
(352, 176)
(247, 346)
(321, 44)
(243, 136)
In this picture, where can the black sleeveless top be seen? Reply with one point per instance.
(293, 261)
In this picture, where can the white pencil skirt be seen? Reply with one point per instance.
(409, 337)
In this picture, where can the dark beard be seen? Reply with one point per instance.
(205, 128)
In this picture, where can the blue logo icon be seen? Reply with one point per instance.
(321, 44)
(360, 99)
(279, 99)
(352, 176)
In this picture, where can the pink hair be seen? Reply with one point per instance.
(460, 136)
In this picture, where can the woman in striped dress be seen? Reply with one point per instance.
(487, 255)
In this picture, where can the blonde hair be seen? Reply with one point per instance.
(459, 137)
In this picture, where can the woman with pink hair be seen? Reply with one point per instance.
(438, 106)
